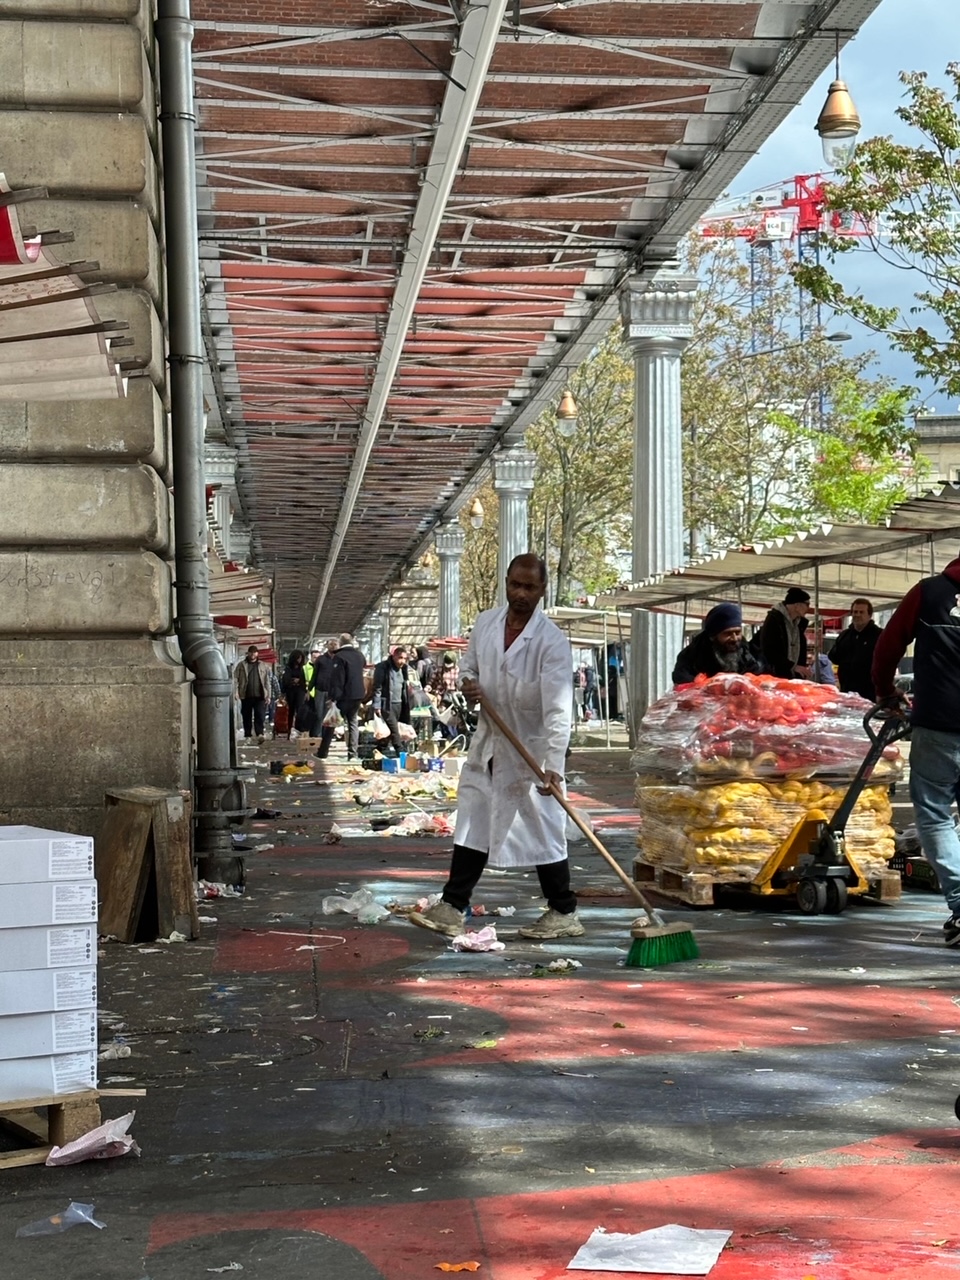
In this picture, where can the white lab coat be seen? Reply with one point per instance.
(530, 685)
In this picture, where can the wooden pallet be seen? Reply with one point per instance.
(699, 889)
(64, 1117)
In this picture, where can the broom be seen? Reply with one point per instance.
(655, 943)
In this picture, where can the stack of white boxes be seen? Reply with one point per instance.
(48, 964)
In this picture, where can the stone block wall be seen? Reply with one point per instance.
(92, 694)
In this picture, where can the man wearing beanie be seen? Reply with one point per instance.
(783, 647)
(719, 647)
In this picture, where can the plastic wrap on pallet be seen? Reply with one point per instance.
(755, 727)
(730, 830)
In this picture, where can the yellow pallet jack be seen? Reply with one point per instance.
(813, 864)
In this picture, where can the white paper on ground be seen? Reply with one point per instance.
(671, 1250)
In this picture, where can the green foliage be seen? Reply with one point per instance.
(768, 415)
(478, 568)
(581, 502)
(867, 466)
(912, 194)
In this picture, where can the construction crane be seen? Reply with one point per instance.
(791, 210)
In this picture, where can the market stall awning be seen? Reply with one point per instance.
(53, 344)
(588, 628)
(834, 563)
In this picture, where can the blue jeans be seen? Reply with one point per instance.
(934, 774)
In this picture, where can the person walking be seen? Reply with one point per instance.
(293, 683)
(319, 686)
(853, 651)
(391, 693)
(782, 646)
(347, 690)
(253, 685)
(929, 615)
(522, 661)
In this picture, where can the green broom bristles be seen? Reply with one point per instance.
(652, 948)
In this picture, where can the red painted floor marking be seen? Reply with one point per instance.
(682, 1017)
(877, 1208)
(278, 951)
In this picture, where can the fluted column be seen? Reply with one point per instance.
(514, 470)
(449, 539)
(656, 312)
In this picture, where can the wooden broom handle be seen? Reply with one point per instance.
(564, 803)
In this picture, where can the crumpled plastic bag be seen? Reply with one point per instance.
(380, 727)
(106, 1141)
(482, 940)
(362, 904)
(73, 1215)
(573, 832)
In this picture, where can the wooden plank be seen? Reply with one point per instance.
(887, 887)
(123, 866)
(68, 1116)
(176, 886)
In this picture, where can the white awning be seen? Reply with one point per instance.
(834, 563)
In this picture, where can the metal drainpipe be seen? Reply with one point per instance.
(219, 792)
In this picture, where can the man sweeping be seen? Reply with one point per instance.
(521, 662)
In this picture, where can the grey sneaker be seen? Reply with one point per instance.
(553, 924)
(951, 931)
(441, 918)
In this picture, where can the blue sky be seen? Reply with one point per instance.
(901, 35)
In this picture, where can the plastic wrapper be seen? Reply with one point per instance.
(755, 727)
(74, 1215)
(729, 830)
(106, 1141)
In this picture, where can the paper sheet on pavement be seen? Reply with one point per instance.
(671, 1250)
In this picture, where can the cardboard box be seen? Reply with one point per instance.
(30, 1035)
(51, 902)
(47, 990)
(65, 947)
(31, 854)
(24, 1078)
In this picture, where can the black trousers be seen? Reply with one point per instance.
(252, 711)
(467, 866)
(391, 713)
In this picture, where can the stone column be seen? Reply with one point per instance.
(449, 539)
(656, 311)
(514, 469)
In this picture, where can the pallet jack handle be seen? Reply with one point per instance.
(893, 725)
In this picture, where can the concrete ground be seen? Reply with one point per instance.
(328, 1099)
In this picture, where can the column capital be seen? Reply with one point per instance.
(657, 309)
(450, 540)
(514, 469)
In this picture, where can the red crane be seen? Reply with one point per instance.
(791, 210)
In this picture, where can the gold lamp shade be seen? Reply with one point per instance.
(839, 118)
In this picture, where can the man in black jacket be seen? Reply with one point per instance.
(929, 615)
(347, 690)
(391, 692)
(319, 686)
(783, 646)
(852, 652)
(720, 646)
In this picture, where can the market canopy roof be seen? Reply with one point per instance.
(590, 627)
(415, 220)
(834, 563)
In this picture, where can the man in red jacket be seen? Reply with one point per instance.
(929, 614)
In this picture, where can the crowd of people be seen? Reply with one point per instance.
(327, 687)
(517, 656)
(785, 645)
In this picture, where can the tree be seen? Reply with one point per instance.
(581, 501)
(767, 410)
(478, 568)
(911, 196)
